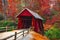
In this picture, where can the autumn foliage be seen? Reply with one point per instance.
(1, 6)
(37, 36)
(12, 9)
(48, 9)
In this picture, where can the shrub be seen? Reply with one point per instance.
(1, 17)
(12, 25)
(53, 33)
(9, 23)
(1, 24)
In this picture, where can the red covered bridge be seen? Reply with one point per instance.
(28, 18)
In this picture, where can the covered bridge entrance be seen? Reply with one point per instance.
(27, 21)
